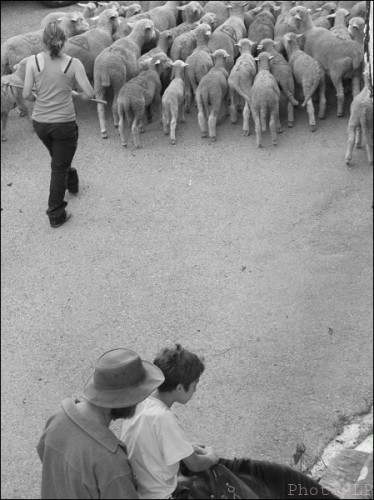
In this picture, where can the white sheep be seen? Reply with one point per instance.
(219, 9)
(12, 96)
(117, 64)
(359, 10)
(263, 24)
(173, 101)
(282, 72)
(356, 28)
(200, 62)
(87, 47)
(138, 94)
(361, 123)
(309, 74)
(230, 32)
(340, 24)
(211, 95)
(18, 47)
(165, 17)
(240, 82)
(57, 17)
(320, 17)
(338, 58)
(264, 98)
(281, 25)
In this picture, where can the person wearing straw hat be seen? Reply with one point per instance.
(81, 457)
(54, 74)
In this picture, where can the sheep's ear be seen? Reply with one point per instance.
(259, 47)
(95, 18)
(157, 62)
(182, 7)
(251, 43)
(299, 36)
(83, 5)
(271, 57)
(238, 44)
(287, 38)
(256, 59)
(185, 65)
(276, 7)
(297, 16)
(330, 16)
(59, 19)
(276, 43)
(131, 25)
(256, 9)
(347, 13)
(318, 9)
(309, 11)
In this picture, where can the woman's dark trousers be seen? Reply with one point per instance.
(61, 140)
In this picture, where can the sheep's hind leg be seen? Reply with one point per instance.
(358, 138)
(322, 99)
(135, 130)
(312, 118)
(246, 116)
(290, 114)
(121, 129)
(115, 110)
(232, 106)
(369, 144)
(212, 124)
(202, 121)
(173, 126)
(101, 114)
(256, 118)
(273, 127)
(350, 144)
(4, 118)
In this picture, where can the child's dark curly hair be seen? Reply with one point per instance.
(179, 366)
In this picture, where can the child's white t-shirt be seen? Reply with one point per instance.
(156, 443)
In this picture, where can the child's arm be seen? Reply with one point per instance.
(198, 462)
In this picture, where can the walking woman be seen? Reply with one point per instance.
(53, 74)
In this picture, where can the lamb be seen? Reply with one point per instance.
(263, 24)
(281, 25)
(163, 45)
(240, 82)
(211, 94)
(309, 74)
(361, 122)
(138, 94)
(193, 12)
(338, 58)
(340, 25)
(264, 98)
(230, 32)
(18, 47)
(130, 10)
(282, 72)
(165, 17)
(320, 18)
(173, 101)
(76, 18)
(199, 63)
(12, 96)
(88, 46)
(117, 64)
(219, 9)
(356, 28)
(209, 18)
(183, 45)
(359, 10)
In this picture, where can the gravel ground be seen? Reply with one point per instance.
(260, 260)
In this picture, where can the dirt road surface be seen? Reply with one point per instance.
(260, 260)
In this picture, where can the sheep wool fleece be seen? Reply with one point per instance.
(82, 459)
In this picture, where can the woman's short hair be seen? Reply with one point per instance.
(179, 366)
(54, 38)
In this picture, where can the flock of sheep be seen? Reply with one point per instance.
(228, 57)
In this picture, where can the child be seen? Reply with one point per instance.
(155, 441)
